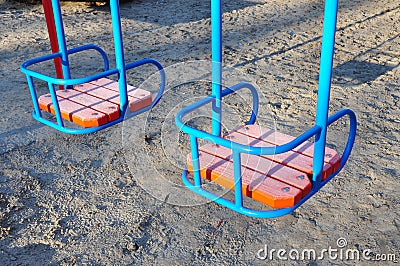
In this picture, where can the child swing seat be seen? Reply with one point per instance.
(93, 102)
(271, 167)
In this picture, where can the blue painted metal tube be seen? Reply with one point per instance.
(107, 72)
(119, 54)
(273, 213)
(40, 59)
(33, 96)
(237, 165)
(352, 133)
(233, 206)
(61, 38)
(227, 91)
(216, 57)
(91, 47)
(195, 160)
(161, 72)
(250, 149)
(327, 50)
(76, 131)
(57, 81)
(254, 94)
(55, 104)
(86, 130)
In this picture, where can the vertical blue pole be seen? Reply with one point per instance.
(216, 57)
(61, 38)
(195, 160)
(34, 96)
(325, 76)
(119, 53)
(237, 166)
(55, 105)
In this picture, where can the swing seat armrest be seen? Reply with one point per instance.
(25, 66)
(352, 133)
(254, 93)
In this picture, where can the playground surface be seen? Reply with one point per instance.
(89, 199)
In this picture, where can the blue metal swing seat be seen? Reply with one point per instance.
(93, 102)
(276, 169)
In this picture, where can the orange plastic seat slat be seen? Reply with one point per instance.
(264, 166)
(100, 105)
(218, 170)
(255, 185)
(292, 159)
(104, 82)
(99, 92)
(278, 138)
(109, 95)
(73, 112)
(101, 98)
(138, 98)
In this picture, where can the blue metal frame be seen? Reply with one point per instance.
(120, 69)
(318, 131)
(216, 57)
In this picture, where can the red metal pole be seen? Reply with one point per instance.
(48, 13)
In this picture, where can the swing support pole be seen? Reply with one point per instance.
(119, 53)
(62, 47)
(216, 57)
(324, 86)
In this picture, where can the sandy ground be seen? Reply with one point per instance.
(101, 199)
